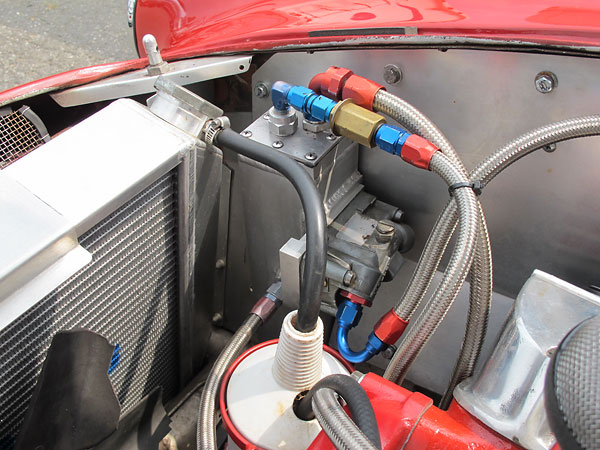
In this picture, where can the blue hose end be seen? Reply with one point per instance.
(348, 314)
(279, 94)
(391, 139)
(375, 344)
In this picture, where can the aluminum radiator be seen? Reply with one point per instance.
(127, 294)
(135, 288)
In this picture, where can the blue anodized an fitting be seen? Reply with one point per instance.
(391, 138)
(315, 107)
(348, 316)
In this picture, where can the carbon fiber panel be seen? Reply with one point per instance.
(129, 294)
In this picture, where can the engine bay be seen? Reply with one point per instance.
(254, 236)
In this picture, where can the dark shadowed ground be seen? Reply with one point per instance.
(44, 37)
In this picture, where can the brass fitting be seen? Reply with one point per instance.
(355, 122)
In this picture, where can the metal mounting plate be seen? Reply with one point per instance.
(139, 82)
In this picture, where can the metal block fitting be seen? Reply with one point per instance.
(282, 122)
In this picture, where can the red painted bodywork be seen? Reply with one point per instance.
(188, 28)
(404, 416)
(69, 79)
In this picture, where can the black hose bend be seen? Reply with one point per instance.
(354, 395)
(314, 214)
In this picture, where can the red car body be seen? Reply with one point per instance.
(188, 28)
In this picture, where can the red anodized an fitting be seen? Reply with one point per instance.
(389, 328)
(355, 298)
(418, 151)
(338, 83)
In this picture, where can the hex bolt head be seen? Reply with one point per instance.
(349, 278)
(388, 353)
(261, 90)
(398, 216)
(247, 133)
(392, 74)
(277, 144)
(545, 82)
(311, 156)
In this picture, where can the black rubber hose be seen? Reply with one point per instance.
(314, 214)
(356, 398)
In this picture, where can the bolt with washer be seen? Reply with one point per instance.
(392, 74)
(384, 231)
(545, 82)
(261, 90)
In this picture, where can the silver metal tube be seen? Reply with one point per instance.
(343, 432)
(206, 426)
(454, 276)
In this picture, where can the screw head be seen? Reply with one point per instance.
(277, 144)
(331, 137)
(220, 264)
(265, 116)
(217, 319)
(550, 148)
(545, 82)
(247, 133)
(392, 74)
(261, 90)
(311, 156)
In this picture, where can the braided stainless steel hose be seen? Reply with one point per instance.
(454, 276)
(486, 171)
(343, 432)
(206, 438)
(481, 274)
(480, 304)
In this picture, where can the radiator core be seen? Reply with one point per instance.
(128, 293)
